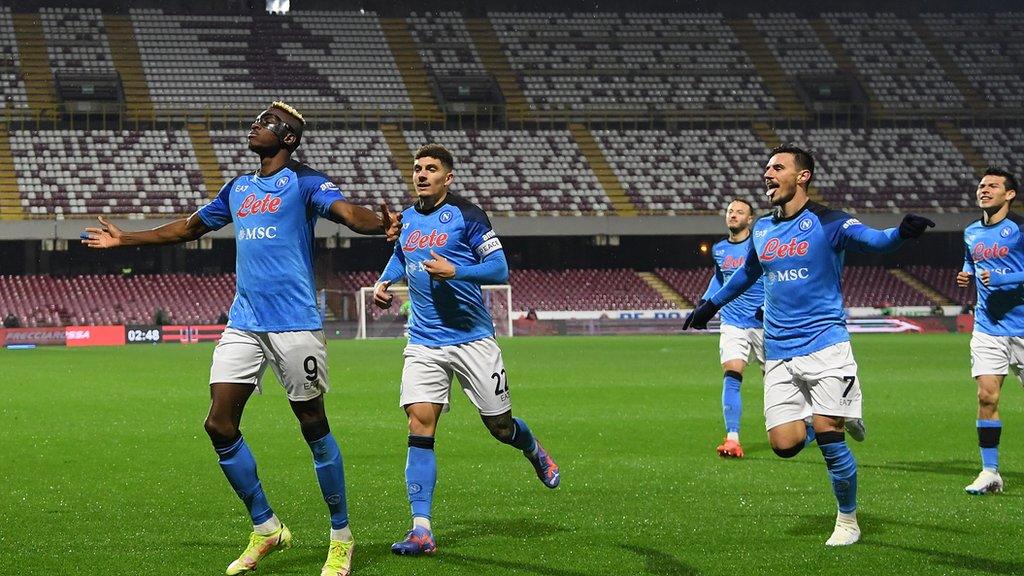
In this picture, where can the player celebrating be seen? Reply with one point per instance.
(741, 334)
(446, 251)
(274, 318)
(810, 369)
(994, 250)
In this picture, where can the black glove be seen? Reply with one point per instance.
(759, 314)
(913, 226)
(700, 316)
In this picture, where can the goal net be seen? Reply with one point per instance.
(395, 321)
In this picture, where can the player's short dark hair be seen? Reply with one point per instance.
(1011, 182)
(804, 159)
(742, 201)
(434, 150)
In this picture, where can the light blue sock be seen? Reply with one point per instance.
(239, 466)
(732, 404)
(989, 432)
(421, 474)
(523, 438)
(330, 473)
(842, 469)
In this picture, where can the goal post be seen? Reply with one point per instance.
(395, 321)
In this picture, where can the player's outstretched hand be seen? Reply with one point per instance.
(381, 297)
(700, 316)
(109, 236)
(392, 222)
(439, 268)
(913, 226)
(963, 279)
(985, 276)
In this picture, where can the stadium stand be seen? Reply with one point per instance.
(328, 61)
(685, 171)
(1000, 147)
(74, 172)
(445, 44)
(637, 63)
(886, 169)
(874, 286)
(794, 43)
(689, 282)
(11, 82)
(988, 49)
(107, 299)
(514, 171)
(583, 289)
(358, 161)
(943, 280)
(76, 40)
(891, 59)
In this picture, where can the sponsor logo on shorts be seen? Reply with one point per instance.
(774, 249)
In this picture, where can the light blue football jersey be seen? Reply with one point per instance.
(274, 218)
(729, 257)
(996, 248)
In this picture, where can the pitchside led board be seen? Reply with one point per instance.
(108, 335)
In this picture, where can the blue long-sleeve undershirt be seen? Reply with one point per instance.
(493, 270)
(996, 280)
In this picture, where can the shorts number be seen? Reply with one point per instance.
(850, 380)
(501, 382)
(309, 365)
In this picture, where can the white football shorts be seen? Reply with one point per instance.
(299, 359)
(823, 382)
(745, 344)
(428, 371)
(996, 354)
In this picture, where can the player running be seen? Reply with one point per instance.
(273, 319)
(741, 336)
(810, 370)
(994, 247)
(446, 251)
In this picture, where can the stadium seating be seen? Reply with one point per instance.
(76, 40)
(874, 286)
(988, 49)
(898, 69)
(74, 172)
(104, 299)
(943, 280)
(685, 171)
(12, 85)
(576, 289)
(358, 161)
(886, 169)
(1000, 147)
(445, 44)
(689, 282)
(326, 61)
(634, 63)
(794, 43)
(539, 172)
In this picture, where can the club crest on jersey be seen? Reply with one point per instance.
(446, 216)
(282, 181)
(730, 262)
(418, 240)
(806, 224)
(252, 205)
(1005, 232)
(776, 250)
(983, 251)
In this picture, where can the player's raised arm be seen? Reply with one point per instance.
(110, 236)
(366, 221)
(851, 233)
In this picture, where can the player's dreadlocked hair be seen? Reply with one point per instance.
(297, 130)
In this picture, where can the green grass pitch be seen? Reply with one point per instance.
(106, 470)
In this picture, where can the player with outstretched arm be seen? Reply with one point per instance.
(273, 320)
(810, 370)
(447, 249)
